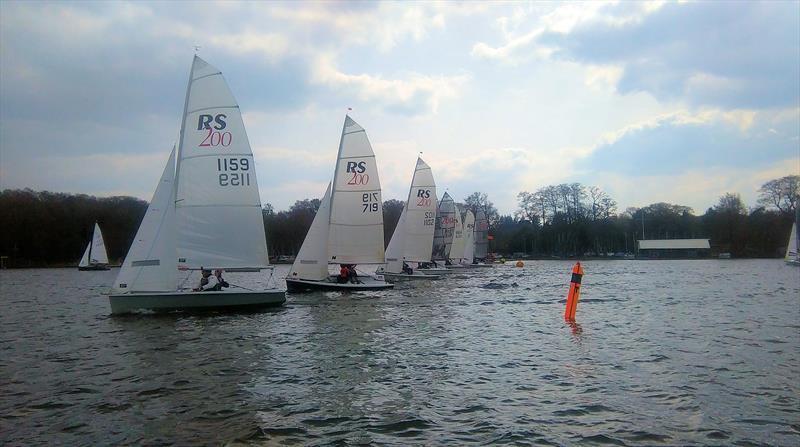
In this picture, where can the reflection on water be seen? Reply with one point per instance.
(674, 352)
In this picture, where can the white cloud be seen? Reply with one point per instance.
(415, 91)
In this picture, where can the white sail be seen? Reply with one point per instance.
(420, 216)
(99, 255)
(457, 248)
(151, 264)
(85, 258)
(791, 247)
(218, 208)
(481, 235)
(312, 260)
(394, 252)
(469, 238)
(444, 227)
(356, 215)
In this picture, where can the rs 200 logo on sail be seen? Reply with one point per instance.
(214, 124)
(355, 173)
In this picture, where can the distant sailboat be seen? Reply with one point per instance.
(458, 246)
(481, 236)
(95, 256)
(468, 256)
(205, 212)
(413, 235)
(793, 247)
(442, 237)
(348, 227)
(481, 240)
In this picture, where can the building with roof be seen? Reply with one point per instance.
(673, 248)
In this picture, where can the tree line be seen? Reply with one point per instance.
(565, 220)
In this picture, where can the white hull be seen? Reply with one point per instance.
(795, 262)
(161, 301)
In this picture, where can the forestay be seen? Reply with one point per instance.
(356, 215)
(151, 264)
(444, 226)
(312, 260)
(218, 208)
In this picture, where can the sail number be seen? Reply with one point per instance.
(231, 171)
(370, 202)
(430, 218)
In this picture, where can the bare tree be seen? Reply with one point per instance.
(781, 193)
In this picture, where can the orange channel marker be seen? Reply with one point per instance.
(574, 292)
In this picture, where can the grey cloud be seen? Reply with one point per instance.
(751, 49)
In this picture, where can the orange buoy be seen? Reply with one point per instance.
(574, 292)
(520, 264)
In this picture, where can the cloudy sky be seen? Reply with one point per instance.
(675, 102)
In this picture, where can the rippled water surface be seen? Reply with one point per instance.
(663, 352)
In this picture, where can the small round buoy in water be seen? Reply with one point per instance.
(520, 264)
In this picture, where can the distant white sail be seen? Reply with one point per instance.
(420, 216)
(469, 238)
(791, 247)
(481, 235)
(99, 255)
(95, 252)
(218, 208)
(312, 260)
(394, 252)
(356, 216)
(151, 264)
(444, 227)
(457, 248)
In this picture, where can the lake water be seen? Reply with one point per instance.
(663, 352)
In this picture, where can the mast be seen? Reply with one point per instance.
(183, 129)
(336, 166)
(91, 243)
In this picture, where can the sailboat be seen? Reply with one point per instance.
(468, 255)
(205, 213)
(458, 246)
(95, 256)
(442, 237)
(481, 240)
(413, 235)
(348, 227)
(793, 247)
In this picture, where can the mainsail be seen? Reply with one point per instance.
(792, 246)
(312, 260)
(151, 264)
(217, 205)
(445, 223)
(481, 235)
(356, 213)
(413, 235)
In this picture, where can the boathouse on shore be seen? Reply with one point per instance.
(673, 248)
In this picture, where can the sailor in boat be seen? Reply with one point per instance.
(207, 282)
(407, 269)
(344, 274)
(353, 274)
(220, 280)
